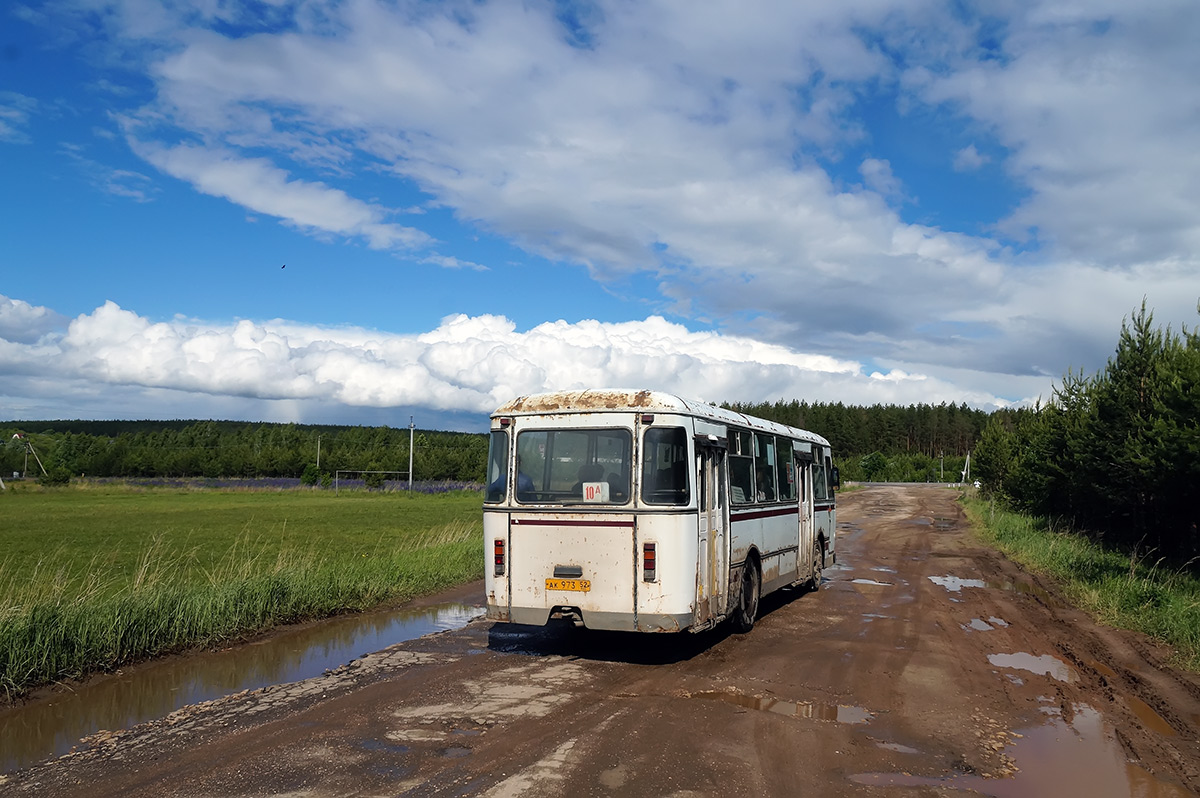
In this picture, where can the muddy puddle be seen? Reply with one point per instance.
(1045, 665)
(1080, 756)
(814, 710)
(52, 725)
(1148, 717)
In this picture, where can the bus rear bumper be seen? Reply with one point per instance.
(612, 621)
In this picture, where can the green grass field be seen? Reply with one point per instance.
(1137, 593)
(93, 578)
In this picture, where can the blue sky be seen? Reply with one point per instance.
(868, 202)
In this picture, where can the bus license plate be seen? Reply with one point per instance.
(578, 585)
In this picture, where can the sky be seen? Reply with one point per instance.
(369, 212)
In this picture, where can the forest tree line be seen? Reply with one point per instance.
(885, 443)
(1117, 453)
(235, 449)
(921, 443)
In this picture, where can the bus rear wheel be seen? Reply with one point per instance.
(818, 562)
(747, 610)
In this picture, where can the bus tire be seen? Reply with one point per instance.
(747, 609)
(818, 563)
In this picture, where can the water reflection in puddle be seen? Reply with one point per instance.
(1045, 665)
(1082, 757)
(50, 726)
(898, 748)
(870, 582)
(1026, 589)
(798, 709)
(955, 584)
(980, 625)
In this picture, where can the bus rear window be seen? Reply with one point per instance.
(574, 466)
(665, 467)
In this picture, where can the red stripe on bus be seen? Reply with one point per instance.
(736, 516)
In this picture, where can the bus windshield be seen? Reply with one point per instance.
(574, 466)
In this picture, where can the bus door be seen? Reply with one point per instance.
(806, 532)
(712, 562)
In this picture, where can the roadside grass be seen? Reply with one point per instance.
(1130, 592)
(94, 579)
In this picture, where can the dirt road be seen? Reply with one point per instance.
(926, 665)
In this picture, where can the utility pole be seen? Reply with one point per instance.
(411, 427)
(318, 454)
(28, 451)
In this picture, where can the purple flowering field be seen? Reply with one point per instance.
(279, 484)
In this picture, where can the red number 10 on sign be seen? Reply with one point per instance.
(595, 491)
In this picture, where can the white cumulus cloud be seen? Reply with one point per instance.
(23, 323)
(467, 364)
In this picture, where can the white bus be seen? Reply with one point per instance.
(642, 511)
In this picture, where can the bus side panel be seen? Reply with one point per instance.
(598, 550)
(781, 540)
(495, 527)
(668, 604)
(775, 537)
(744, 536)
(744, 533)
(826, 525)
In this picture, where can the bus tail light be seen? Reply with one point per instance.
(498, 553)
(649, 569)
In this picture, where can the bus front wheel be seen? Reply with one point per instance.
(747, 610)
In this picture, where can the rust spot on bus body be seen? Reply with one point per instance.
(580, 400)
(672, 625)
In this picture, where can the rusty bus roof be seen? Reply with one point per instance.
(625, 400)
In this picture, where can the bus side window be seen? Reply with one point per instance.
(741, 468)
(764, 459)
(820, 489)
(786, 470)
(497, 473)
